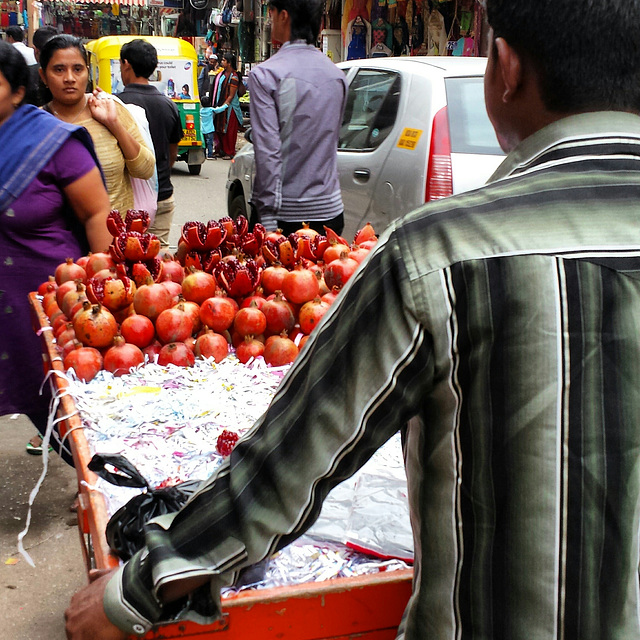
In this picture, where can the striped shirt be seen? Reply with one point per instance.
(500, 329)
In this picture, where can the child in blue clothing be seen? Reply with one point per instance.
(206, 122)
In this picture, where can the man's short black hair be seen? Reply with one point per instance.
(306, 16)
(15, 33)
(584, 52)
(42, 35)
(141, 55)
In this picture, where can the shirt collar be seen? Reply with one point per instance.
(600, 124)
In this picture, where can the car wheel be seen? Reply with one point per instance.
(194, 169)
(238, 208)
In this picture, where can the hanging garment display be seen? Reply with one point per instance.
(359, 42)
(437, 40)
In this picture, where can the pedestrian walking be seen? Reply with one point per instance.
(206, 122)
(228, 118)
(138, 60)
(297, 101)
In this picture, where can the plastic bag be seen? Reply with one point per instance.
(125, 529)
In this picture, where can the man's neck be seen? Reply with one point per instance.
(138, 80)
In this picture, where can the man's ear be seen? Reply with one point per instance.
(510, 66)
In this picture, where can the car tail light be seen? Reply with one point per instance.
(439, 180)
(189, 121)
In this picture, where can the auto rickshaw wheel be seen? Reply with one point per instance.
(194, 169)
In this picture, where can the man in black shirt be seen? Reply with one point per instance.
(138, 60)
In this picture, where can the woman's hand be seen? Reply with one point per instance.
(103, 109)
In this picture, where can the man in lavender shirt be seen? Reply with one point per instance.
(297, 101)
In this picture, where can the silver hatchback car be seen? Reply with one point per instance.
(415, 129)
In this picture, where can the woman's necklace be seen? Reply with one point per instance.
(61, 117)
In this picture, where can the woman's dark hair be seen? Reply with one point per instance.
(305, 15)
(231, 59)
(13, 66)
(584, 52)
(58, 43)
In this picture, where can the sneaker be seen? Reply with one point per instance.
(212, 158)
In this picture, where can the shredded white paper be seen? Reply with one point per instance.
(166, 420)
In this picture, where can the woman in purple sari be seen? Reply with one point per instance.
(53, 205)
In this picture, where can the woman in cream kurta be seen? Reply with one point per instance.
(119, 144)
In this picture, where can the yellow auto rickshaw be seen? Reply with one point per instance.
(176, 76)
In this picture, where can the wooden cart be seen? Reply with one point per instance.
(368, 607)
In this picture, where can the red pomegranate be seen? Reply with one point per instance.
(122, 357)
(272, 277)
(95, 325)
(212, 345)
(173, 325)
(311, 313)
(249, 348)
(300, 285)
(279, 350)
(197, 286)
(97, 262)
(69, 270)
(250, 321)
(85, 361)
(172, 269)
(218, 313)
(138, 330)
(176, 353)
(337, 273)
(151, 300)
(279, 315)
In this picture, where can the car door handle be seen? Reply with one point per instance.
(362, 175)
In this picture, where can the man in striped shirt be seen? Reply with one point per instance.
(501, 330)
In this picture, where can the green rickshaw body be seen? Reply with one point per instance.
(176, 77)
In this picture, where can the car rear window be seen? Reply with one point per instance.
(473, 132)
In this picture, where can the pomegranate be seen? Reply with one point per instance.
(300, 286)
(279, 350)
(358, 253)
(69, 285)
(192, 310)
(48, 286)
(151, 300)
(85, 361)
(310, 314)
(334, 251)
(226, 442)
(122, 357)
(95, 325)
(212, 345)
(172, 269)
(218, 313)
(69, 270)
(197, 286)
(279, 315)
(173, 325)
(71, 297)
(250, 321)
(68, 333)
(249, 348)
(337, 273)
(331, 296)
(367, 233)
(176, 353)
(238, 278)
(272, 277)
(114, 293)
(152, 351)
(138, 330)
(174, 288)
(97, 262)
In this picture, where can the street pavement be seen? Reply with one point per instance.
(33, 600)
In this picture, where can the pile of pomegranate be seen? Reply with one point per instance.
(226, 290)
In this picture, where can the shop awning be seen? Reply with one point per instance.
(139, 3)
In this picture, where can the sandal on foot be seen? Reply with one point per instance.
(34, 446)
